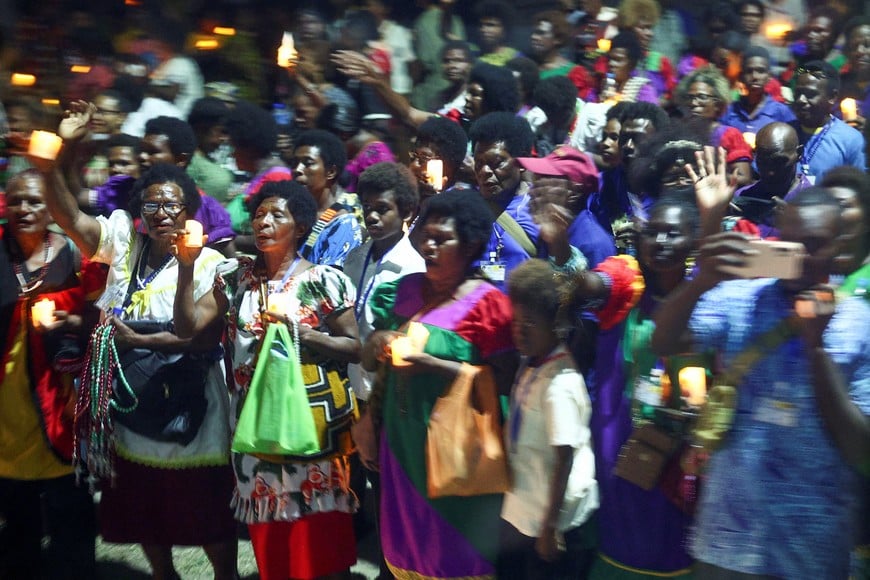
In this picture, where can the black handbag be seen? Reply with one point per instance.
(160, 395)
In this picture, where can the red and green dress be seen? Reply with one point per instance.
(449, 537)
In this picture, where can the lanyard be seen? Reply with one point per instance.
(520, 392)
(810, 152)
(364, 297)
(290, 271)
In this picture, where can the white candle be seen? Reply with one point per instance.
(193, 239)
(401, 347)
(849, 108)
(749, 137)
(42, 312)
(435, 173)
(693, 385)
(604, 45)
(44, 144)
(287, 51)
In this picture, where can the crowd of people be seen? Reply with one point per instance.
(589, 216)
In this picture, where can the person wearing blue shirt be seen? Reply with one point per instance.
(756, 109)
(781, 492)
(827, 141)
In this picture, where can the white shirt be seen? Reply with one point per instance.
(367, 274)
(552, 407)
(150, 108)
(184, 72)
(400, 43)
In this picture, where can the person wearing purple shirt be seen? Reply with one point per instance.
(776, 158)
(752, 111)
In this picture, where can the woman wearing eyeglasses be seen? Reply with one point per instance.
(704, 95)
(163, 493)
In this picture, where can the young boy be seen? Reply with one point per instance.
(389, 198)
(546, 530)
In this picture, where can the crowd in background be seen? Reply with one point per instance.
(561, 194)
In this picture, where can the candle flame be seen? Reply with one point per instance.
(80, 69)
(224, 30)
(23, 79)
(287, 54)
(777, 30)
(206, 44)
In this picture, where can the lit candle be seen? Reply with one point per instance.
(435, 173)
(44, 144)
(401, 347)
(693, 385)
(849, 108)
(279, 302)
(224, 30)
(23, 80)
(193, 239)
(287, 51)
(777, 30)
(42, 312)
(418, 334)
(604, 45)
(749, 137)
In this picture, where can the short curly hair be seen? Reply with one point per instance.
(633, 11)
(300, 203)
(512, 130)
(253, 128)
(123, 140)
(447, 137)
(182, 140)
(849, 177)
(533, 286)
(500, 89)
(332, 150)
(627, 40)
(207, 112)
(387, 176)
(470, 213)
(556, 95)
(165, 173)
(710, 76)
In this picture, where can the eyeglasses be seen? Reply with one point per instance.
(170, 208)
(700, 97)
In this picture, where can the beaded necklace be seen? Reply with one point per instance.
(26, 287)
(94, 426)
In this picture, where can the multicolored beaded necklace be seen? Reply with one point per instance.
(25, 287)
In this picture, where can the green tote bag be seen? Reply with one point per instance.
(275, 417)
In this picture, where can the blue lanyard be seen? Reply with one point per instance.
(811, 151)
(520, 392)
(363, 299)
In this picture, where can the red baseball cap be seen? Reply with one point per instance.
(565, 162)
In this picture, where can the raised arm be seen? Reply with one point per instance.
(83, 229)
(358, 66)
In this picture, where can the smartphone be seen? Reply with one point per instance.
(774, 259)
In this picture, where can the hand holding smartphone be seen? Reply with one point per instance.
(772, 259)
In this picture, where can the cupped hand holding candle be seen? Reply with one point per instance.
(401, 347)
(42, 312)
(44, 145)
(193, 239)
(287, 54)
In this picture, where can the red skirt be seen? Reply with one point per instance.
(168, 507)
(315, 545)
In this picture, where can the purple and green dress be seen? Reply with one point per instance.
(450, 537)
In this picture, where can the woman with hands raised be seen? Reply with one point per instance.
(164, 493)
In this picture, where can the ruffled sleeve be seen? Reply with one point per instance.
(626, 288)
(488, 325)
(116, 237)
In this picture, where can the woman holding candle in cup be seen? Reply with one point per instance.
(468, 321)
(45, 291)
(298, 509)
(163, 493)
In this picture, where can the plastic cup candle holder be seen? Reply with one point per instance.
(42, 312)
(193, 239)
(401, 347)
(44, 144)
